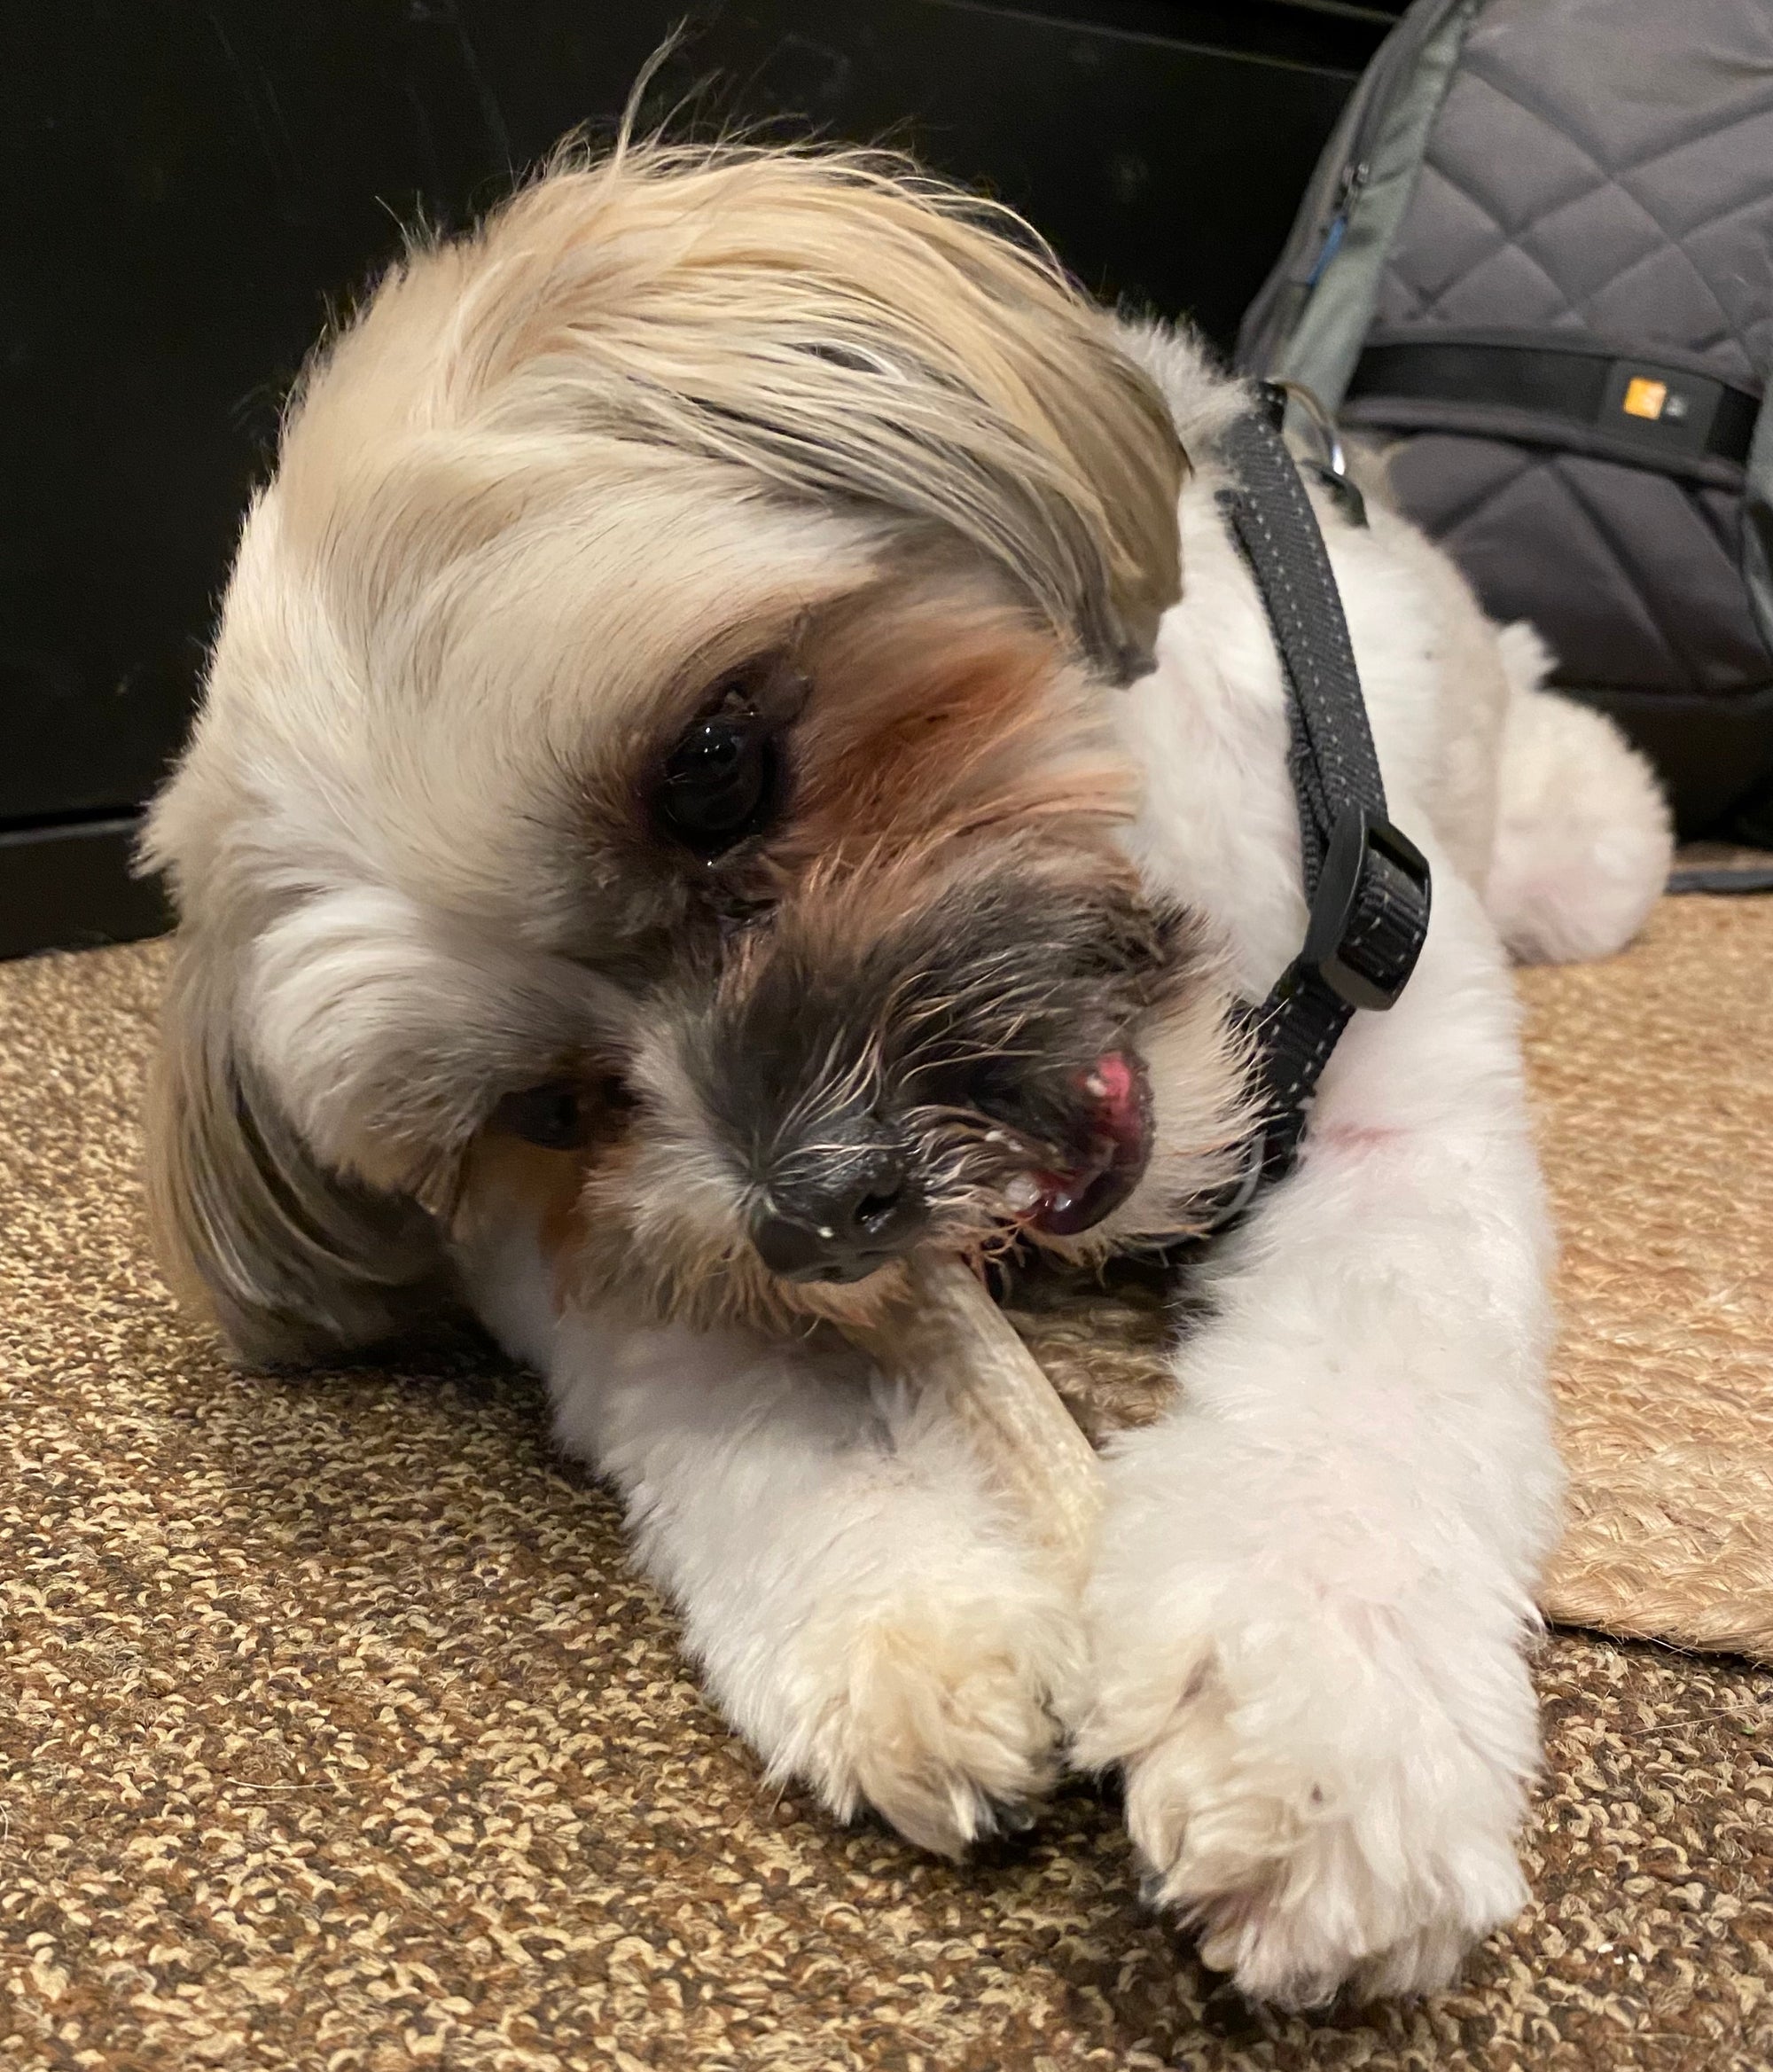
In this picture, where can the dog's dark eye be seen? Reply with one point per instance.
(565, 1115)
(721, 782)
(554, 1115)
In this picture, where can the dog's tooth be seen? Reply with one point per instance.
(1022, 1192)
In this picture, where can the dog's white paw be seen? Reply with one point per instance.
(1319, 1823)
(940, 1715)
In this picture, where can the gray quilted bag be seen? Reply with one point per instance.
(1537, 261)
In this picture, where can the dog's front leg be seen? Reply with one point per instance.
(1317, 1575)
(863, 1611)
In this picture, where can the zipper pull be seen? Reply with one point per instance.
(1354, 179)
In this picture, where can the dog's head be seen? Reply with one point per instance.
(656, 778)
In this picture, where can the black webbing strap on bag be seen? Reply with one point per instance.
(1657, 415)
(1368, 885)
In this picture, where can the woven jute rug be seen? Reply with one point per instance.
(1655, 1079)
(335, 1733)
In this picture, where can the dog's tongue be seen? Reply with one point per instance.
(1070, 1202)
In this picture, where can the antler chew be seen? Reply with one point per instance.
(952, 1337)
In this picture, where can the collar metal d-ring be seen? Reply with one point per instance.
(1330, 465)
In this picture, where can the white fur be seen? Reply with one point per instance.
(1583, 840)
(1304, 1629)
(861, 1606)
(556, 483)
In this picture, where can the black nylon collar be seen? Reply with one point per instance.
(1368, 885)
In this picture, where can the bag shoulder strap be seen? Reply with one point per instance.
(1311, 319)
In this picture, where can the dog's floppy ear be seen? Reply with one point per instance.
(294, 1263)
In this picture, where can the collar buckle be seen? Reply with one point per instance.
(1369, 913)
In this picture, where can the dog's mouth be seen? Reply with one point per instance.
(1114, 1142)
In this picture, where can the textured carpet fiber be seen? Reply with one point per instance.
(336, 1734)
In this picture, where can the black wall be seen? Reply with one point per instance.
(190, 188)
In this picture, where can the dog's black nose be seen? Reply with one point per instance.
(841, 1219)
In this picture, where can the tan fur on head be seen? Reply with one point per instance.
(833, 323)
(804, 420)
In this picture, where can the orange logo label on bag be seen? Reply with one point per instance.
(1644, 398)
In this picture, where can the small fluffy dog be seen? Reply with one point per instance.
(739, 744)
